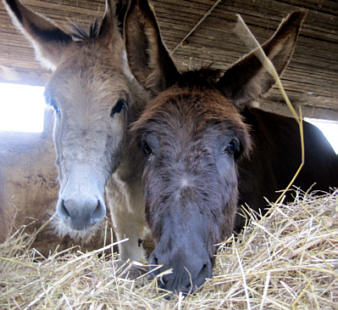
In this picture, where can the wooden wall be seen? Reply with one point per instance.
(311, 78)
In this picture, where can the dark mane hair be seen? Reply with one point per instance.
(80, 34)
(94, 30)
(202, 78)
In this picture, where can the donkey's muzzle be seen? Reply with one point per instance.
(187, 272)
(81, 214)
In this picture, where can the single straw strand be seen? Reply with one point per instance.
(196, 26)
(249, 39)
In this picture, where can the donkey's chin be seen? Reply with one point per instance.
(81, 234)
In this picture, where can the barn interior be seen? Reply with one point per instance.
(198, 33)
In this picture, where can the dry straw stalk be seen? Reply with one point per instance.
(285, 261)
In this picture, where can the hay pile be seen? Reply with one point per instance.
(288, 260)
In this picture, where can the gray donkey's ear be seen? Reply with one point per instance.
(48, 40)
(147, 55)
(112, 23)
(247, 79)
(121, 7)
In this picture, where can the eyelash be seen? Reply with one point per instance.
(52, 103)
(233, 148)
(120, 105)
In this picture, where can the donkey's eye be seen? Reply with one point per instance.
(146, 148)
(119, 106)
(51, 102)
(233, 148)
(149, 144)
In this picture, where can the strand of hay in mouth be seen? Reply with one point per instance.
(285, 261)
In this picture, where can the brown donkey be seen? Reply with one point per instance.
(207, 149)
(94, 97)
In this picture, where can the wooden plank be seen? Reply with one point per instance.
(311, 78)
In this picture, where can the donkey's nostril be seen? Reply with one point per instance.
(162, 281)
(205, 272)
(98, 213)
(154, 265)
(155, 260)
(64, 210)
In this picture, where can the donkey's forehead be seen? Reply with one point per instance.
(91, 59)
(194, 107)
(88, 72)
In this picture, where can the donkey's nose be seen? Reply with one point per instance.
(81, 214)
(188, 272)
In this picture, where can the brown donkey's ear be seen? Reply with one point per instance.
(247, 79)
(147, 55)
(48, 40)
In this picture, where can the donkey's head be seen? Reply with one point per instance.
(91, 95)
(193, 136)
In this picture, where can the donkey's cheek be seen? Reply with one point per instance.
(226, 167)
(117, 129)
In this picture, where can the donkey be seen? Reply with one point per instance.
(94, 97)
(207, 150)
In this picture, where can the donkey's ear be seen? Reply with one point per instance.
(247, 79)
(121, 8)
(147, 55)
(113, 20)
(48, 40)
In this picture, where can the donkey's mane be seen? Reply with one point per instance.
(94, 30)
(201, 78)
(80, 34)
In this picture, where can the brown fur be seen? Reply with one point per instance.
(197, 132)
(179, 116)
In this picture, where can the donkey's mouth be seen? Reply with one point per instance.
(84, 234)
(182, 272)
(79, 226)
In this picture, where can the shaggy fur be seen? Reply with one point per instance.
(197, 132)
